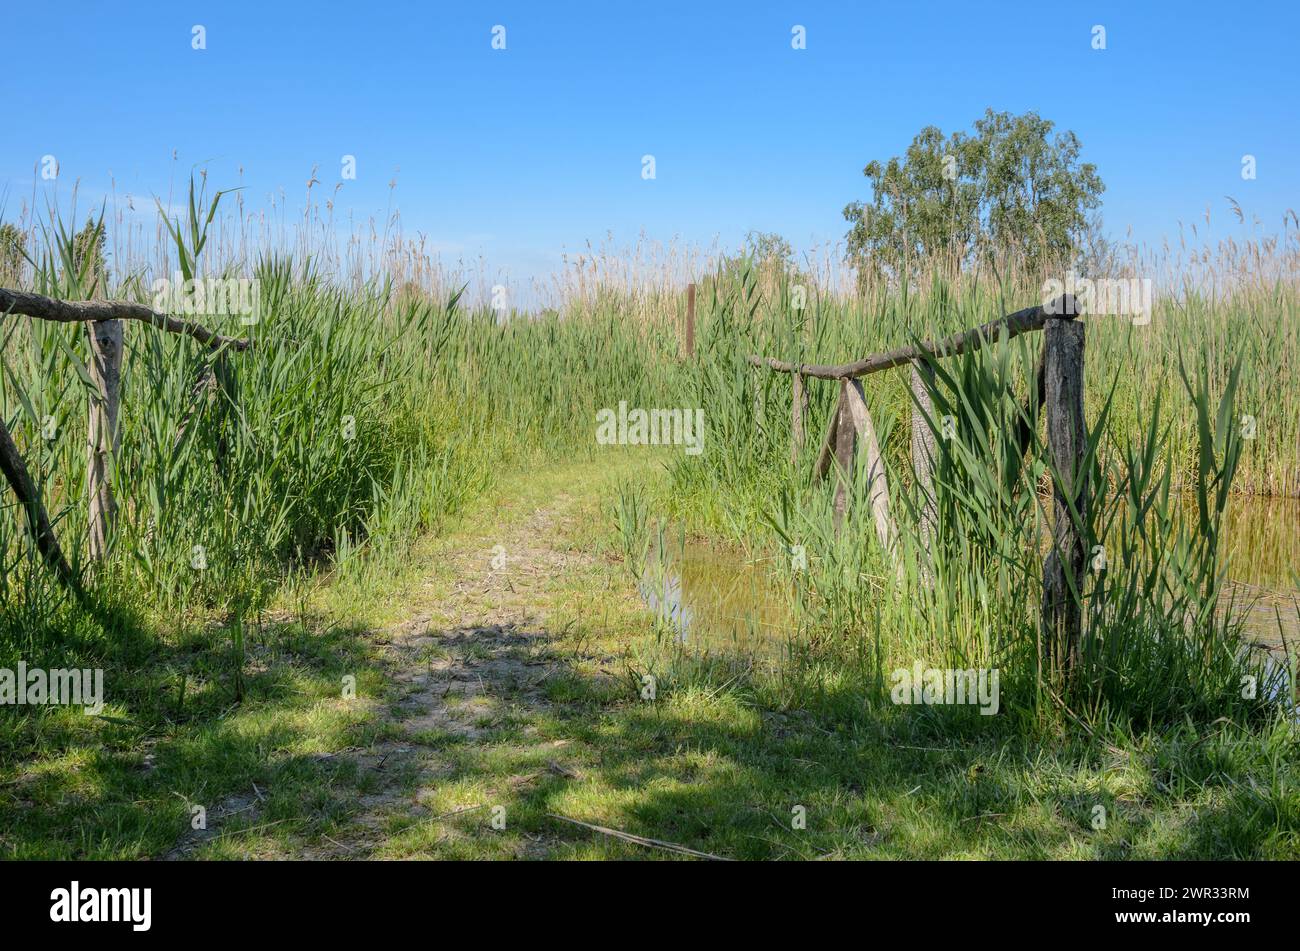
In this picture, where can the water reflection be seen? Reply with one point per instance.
(715, 597)
(1263, 538)
(664, 595)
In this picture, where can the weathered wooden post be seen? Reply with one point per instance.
(690, 320)
(923, 456)
(102, 444)
(38, 521)
(105, 370)
(877, 483)
(844, 453)
(798, 408)
(826, 455)
(1067, 439)
(850, 427)
(852, 421)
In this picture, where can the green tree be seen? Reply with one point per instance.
(769, 250)
(1008, 187)
(765, 255)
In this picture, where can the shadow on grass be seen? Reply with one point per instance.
(708, 764)
(176, 734)
(715, 762)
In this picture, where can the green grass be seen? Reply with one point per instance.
(719, 774)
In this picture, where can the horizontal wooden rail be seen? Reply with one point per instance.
(1022, 321)
(83, 311)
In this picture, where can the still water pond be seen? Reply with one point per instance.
(719, 599)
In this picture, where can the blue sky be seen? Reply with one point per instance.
(518, 154)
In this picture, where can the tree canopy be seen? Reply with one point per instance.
(1010, 186)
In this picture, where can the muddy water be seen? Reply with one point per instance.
(718, 599)
(1264, 566)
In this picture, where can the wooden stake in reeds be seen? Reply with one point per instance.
(105, 319)
(852, 426)
(106, 373)
(38, 521)
(1067, 439)
(844, 454)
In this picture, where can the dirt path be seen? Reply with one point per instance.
(505, 686)
(459, 664)
(478, 642)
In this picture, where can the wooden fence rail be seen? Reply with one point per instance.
(104, 321)
(21, 303)
(1013, 325)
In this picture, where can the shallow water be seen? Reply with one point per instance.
(716, 599)
(1264, 566)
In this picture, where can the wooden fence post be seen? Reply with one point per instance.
(798, 408)
(105, 319)
(844, 454)
(826, 454)
(877, 482)
(102, 445)
(1067, 439)
(690, 320)
(38, 522)
(923, 456)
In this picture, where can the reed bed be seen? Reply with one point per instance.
(363, 415)
(385, 389)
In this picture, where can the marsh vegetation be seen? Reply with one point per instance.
(381, 410)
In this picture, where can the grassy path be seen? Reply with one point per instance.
(497, 676)
(519, 627)
(503, 630)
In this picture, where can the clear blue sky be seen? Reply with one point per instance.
(517, 154)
